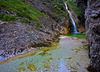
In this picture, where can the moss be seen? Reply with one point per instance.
(49, 53)
(43, 53)
(49, 59)
(46, 65)
(22, 69)
(21, 63)
(32, 67)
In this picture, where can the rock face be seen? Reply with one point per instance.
(92, 15)
(82, 5)
(18, 38)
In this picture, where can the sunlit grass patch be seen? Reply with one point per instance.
(6, 17)
(23, 10)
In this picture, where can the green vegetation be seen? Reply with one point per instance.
(57, 10)
(23, 10)
(26, 13)
(25, 20)
(6, 17)
(77, 35)
(74, 7)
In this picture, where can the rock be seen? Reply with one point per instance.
(32, 67)
(81, 4)
(18, 38)
(46, 65)
(83, 42)
(22, 69)
(92, 15)
(74, 38)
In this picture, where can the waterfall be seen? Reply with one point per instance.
(73, 22)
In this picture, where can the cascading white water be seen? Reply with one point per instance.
(73, 22)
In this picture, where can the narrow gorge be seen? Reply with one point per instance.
(49, 36)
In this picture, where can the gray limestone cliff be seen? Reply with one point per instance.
(92, 22)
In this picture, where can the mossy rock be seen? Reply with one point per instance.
(21, 63)
(22, 69)
(46, 65)
(32, 67)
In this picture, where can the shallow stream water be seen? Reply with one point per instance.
(69, 55)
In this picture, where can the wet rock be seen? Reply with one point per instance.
(21, 63)
(32, 67)
(46, 65)
(92, 15)
(74, 38)
(22, 69)
(83, 42)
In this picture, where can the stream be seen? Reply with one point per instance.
(70, 54)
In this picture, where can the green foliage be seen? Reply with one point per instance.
(1, 15)
(6, 17)
(25, 20)
(21, 9)
(74, 7)
(39, 25)
(44, 3)
(57, 9)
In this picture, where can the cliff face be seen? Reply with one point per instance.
(92, 15)
(18, 38)
(82, 5)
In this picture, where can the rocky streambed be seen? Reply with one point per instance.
(70, 54)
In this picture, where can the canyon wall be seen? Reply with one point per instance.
(92, 22)
(18, 38)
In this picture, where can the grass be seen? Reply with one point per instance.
(27, 13)
(6, 17)
(25, 20)
(22, 10)
(74, 7)
(57, 10)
